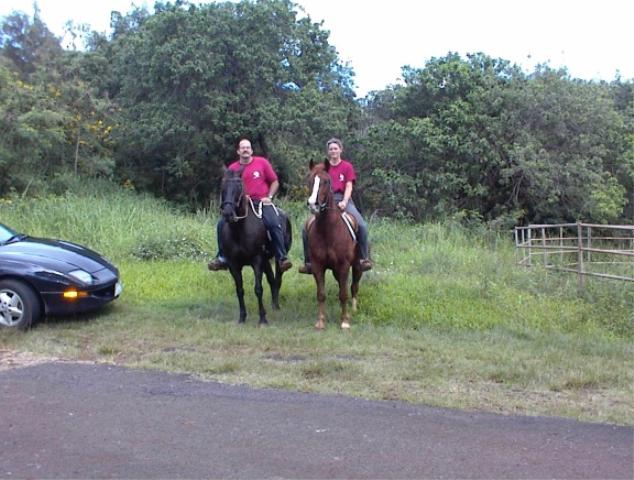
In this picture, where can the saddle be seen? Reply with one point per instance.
(284, 223)
(349, 220)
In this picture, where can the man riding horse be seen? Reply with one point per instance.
(260, 185)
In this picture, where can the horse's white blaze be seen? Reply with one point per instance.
(312, 200)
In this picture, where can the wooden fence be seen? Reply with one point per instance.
(583, 248)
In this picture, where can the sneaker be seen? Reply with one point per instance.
(306, 268)
(217, 263)
(285, 264)
(366, 265)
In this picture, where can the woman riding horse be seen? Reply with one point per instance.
(343, 177)
(331, 243)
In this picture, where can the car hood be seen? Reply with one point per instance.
(55, 254)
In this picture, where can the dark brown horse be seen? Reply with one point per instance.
(245, 242)
(331, 245)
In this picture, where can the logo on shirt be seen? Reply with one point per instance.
(256, 175)
(341, 177)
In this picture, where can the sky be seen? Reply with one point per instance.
(591, 38)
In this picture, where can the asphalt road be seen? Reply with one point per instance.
(64, 420)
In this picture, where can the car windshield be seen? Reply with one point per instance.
(6, 234)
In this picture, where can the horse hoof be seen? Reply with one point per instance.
(319, 326)
(345, 326)
(263, 323)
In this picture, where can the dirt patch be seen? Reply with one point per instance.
(12, 359)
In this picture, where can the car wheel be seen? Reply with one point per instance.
(19, 305)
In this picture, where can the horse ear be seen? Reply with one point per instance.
(311, 164)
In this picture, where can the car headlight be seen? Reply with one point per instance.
(82, 276)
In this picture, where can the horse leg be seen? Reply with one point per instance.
(354, 288)
(259, 290)
(342, 278)
(275, 282)
(236, 273)
(319, 273)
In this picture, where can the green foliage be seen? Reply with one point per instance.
(191, 81)
(28, 44)
(441, 276)
(114, 221)
(52, 123)
(479, 135)
(167, 249)
(161, 101)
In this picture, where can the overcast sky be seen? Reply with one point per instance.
(593, 39)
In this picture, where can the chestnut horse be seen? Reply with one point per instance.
(331, 245)
(245, 240)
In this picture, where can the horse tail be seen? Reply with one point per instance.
(288, 234)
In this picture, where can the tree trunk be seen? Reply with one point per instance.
(77, 149)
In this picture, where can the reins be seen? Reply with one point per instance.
(237, 204)
(323, 206)
(256, 211)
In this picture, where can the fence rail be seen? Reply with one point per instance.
(592, 246)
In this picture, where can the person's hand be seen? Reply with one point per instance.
(342, 205)
(267, 200)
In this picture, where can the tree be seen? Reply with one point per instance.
(190, 80)
(53, 125)
(28, 44)
(477, 137)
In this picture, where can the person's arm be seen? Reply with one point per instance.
(275, 184)
(346, 196)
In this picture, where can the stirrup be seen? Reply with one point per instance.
(365, 264)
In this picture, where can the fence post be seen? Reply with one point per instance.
(580, 270)
(589, 244)
(530, 243)
(561, 246)
(545, 254)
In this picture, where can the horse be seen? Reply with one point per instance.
(331, 244)
(245, 242)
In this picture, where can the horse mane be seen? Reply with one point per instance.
(320, 167)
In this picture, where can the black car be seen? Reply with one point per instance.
(50, 277)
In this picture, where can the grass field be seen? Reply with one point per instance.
(446, 318)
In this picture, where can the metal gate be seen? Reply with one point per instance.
(583, 248)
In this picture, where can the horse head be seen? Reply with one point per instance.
(231, 195)
(319, 185)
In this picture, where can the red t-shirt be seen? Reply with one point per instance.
(340, 175)
(257, 177)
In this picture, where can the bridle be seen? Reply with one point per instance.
(233, 204)
(327, 198)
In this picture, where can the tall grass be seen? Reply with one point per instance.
(438, 275)
(118, 222)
